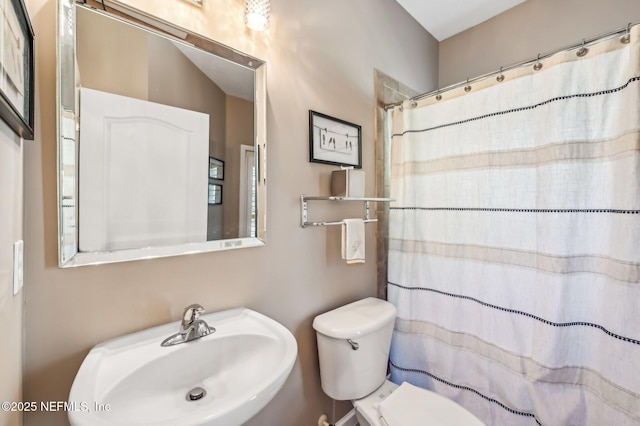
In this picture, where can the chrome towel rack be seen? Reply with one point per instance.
(304, 208)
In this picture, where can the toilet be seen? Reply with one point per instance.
(353, 349)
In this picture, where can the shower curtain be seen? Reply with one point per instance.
(514, 242)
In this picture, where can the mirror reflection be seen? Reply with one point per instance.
(159, 143)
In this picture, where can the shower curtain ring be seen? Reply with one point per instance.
(626, 39)
(467, 88)
(538, 64)
(500, 77)
(583, 50)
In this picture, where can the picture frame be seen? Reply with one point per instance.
(334, 141)
(195, 2)
(216, 169)
(215, 194)
(17, 69)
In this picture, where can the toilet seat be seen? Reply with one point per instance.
(367, 407)
(409, 405)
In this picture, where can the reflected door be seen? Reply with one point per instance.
(143, 168)
(247, 208)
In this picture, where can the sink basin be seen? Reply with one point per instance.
(132, 380)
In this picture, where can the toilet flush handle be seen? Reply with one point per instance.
(354, 345)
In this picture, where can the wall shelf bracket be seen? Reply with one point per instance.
(304, 208)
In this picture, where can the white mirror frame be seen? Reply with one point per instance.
(68, 128)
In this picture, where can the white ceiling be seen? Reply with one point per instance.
(445, 18)
(231, 78)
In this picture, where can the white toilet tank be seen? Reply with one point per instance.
(346, 372)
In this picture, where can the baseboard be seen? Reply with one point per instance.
(349, 419)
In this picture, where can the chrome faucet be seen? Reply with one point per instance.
(191, 327)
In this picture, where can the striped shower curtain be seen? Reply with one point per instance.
(514, 243)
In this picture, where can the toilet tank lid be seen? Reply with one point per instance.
(355, 319)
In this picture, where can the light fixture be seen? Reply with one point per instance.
(256, 14)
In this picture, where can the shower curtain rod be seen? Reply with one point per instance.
(585, 42)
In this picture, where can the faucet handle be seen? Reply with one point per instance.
(192, 312)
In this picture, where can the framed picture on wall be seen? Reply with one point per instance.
(334, 141)
(195, 2)
(215, 194)
(216, 169)
(16, 64)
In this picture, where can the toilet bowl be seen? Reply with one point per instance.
(353, 350)
(409, 405)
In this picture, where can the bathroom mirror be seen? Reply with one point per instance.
(161, 139)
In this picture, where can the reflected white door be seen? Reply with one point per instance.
(142, 173)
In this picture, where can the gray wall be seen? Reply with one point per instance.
(321, 56)
(11, 315)
(533, 27)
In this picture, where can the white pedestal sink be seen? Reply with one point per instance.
(132, 380)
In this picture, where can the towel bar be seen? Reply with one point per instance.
(332, 223)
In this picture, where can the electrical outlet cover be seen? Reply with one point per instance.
(18, 266)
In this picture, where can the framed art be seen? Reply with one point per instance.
(215, 194)
(16, 64)
(334, 141)
(216, 169)
(195, 2)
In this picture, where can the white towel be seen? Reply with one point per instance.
(353, 240)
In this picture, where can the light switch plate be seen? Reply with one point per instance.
(18, 266)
